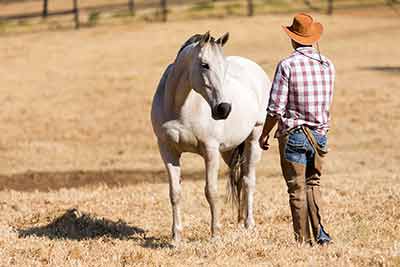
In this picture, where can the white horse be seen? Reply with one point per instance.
(210, 104)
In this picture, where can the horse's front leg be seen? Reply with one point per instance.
(211, 156)
(172, 164)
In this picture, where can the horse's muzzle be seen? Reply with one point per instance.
(221, 111)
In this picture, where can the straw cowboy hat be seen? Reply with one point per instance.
(304, 30)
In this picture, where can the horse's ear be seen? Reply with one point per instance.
(223, 39)
(205, 38)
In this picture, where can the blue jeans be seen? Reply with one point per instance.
(298, 148)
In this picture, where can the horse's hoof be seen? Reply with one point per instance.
(216, 238)
(250, 224)
(216, 230)
(176, 237)
(175, 243)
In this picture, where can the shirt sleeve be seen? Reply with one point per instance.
(279, 91)
(332, 74)
(332, 79)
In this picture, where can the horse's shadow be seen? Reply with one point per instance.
(56, 180)
(75, 225)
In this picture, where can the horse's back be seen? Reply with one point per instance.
(250, 76)
(248, 64)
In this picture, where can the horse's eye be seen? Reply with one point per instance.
(205, 66)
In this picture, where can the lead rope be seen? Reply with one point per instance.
(320, 60)
(319, 54)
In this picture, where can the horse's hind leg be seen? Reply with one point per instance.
(252, 154)
(171, 160)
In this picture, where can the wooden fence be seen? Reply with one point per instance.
(132, 6)
(76, 9)
(45, 13)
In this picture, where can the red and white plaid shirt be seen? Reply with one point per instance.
(302, 91)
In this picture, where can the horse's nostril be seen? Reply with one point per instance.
(224, 107)
(222, 110)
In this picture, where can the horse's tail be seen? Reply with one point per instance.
(234, 186)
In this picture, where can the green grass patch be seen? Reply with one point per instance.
(123, 14)
(3, 25)
(93, 18)
(203, 6)
(233, 9)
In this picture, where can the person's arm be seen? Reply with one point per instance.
(270, 122)
(277, 103)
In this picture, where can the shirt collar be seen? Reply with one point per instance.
(305, 50)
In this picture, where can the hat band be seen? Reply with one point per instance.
(301, 33)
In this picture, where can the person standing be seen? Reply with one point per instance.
(300, 100)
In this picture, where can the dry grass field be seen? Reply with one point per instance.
(82, 183)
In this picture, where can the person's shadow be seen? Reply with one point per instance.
(75, 225)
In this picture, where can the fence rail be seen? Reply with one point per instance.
(45, 13)
(133, 5)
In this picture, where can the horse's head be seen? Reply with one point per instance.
(208, 68)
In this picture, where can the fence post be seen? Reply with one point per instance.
(76, 14)
(164, 10)
(330, 7)
(131, 4)
(250, 8)
(45, 9)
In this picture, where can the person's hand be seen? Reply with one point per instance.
(263, 141)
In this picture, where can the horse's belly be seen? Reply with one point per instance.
(239, 126)
(235, 136)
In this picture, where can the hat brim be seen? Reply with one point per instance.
(306, 40)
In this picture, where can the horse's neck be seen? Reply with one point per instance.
(177, 89)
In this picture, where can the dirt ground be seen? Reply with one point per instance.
(82, 183)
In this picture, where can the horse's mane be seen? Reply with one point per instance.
(194, 39)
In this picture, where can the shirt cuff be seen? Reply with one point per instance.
(273, 113)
